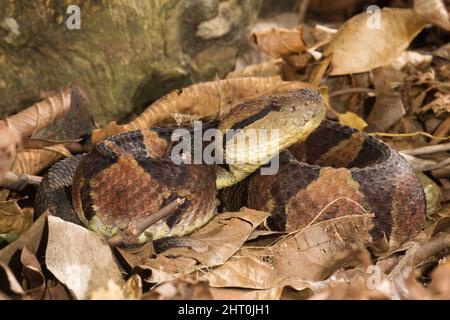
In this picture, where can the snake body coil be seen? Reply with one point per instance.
(326, 170)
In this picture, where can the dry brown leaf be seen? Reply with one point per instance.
(9, 284)
(245, 294)
(443, 52)
(311, 254)
(279, 42)
(206, 101)
(33, 278)
(360, 46)
(14, 219)
(185, 289)
(420, 253)
(79, 258)
(33, 161)
(223, 235)
(31, 239)
(412, 59)
(9, 141)
(131, 290)
(388, 108)
(440, 280)
(40, 115)
(434, 11)
(269, 68)
(440, 105)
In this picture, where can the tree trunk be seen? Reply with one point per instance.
(125, 54)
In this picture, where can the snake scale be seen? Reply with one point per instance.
(326, 170)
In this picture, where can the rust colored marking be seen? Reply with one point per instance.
(124, 192)
(331, 184)
(155, 145)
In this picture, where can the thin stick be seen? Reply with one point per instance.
(135, 229)
(428, 149)
(18, 181)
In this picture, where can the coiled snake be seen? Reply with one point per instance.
(325, 170)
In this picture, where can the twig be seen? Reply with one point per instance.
(135, 229)
(351, 90)
(18, 181)
(428, 149)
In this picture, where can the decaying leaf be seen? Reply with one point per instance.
(364, 43)
(279, 42)
(311, 254)
(433, 193)
(434, 11)
(14, 219)
(235, 227)
(440, 105)
(79, 258)
(440, 282)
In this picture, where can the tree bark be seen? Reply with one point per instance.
(126, 53)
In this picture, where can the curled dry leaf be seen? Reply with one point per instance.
(206, 101)
(279, 42)
(33, 161)
(364, 43)
(40, 115)
(235, 227)
(311, 254)
(440, 105)
(434, 11)
(79, 258)
(9, 141)
(13, 219)
(33, 278)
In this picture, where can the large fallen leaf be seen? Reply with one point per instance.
(79, 258)
(434, 11)
(224, 235)
(206, 101)
(311, 254)
(279, 42)
(361, 46)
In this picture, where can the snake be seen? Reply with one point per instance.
(324, 170)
